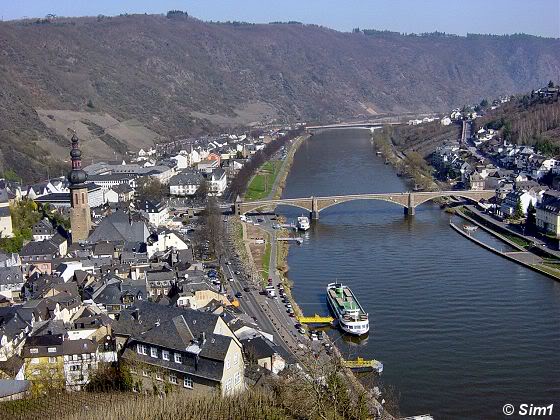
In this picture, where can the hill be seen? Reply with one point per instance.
(126, 82)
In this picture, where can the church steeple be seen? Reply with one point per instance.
(77, 176)
(80, 216)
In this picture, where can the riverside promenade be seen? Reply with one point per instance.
(523, 258)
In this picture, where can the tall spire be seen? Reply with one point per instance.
(80, 216)
(77, 176)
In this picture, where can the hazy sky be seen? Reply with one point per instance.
(538, 17)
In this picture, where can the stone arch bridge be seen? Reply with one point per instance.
(314, 205)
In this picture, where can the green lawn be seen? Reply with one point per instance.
(261, 184)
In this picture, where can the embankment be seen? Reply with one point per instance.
(508, 256)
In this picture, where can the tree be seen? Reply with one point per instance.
(212, 229)
(11, 175)
(202, 191)
(518, 212)
(551, 84)
(150, 189)
(531, 222)
(484, 103)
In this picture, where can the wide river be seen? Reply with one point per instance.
(461, 331)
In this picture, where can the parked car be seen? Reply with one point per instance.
(230, 279)
(313, 336)
(301, 330)
(246, 289)
(320, 335)
(289, 305)
(239, 295)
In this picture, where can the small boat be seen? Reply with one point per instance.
(303, 223)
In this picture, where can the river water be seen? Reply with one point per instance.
(461, 331)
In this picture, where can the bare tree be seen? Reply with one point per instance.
(212, 229)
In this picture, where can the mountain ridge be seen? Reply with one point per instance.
(182, 76)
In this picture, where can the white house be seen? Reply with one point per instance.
(157, 213)
(510, 201)
(182, 160)
(445, 121)
(185, 184)
(166, 239)
(217, 182)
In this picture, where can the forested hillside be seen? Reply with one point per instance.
(127, 82)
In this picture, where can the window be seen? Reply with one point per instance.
(228, 364)
(74, 368)
(159, 377)
(153, 352)
(141, 349)
(52, 359)
(187, 383)
(145, 373)
(165, 355)
(52, 350)
(237, 378)
(235, 359)
(35, 361)
(178, 358)
(173, 378)
(132, 370)
(33, 351)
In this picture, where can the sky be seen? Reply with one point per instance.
(537, 17)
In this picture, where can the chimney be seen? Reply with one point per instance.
(202, 338)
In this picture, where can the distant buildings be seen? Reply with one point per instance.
(6, 229)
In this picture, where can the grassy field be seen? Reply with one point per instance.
(261, 184)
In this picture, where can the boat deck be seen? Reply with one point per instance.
(347, 303)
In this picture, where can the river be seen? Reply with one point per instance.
(461, 331)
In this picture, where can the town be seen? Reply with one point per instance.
(135, 266)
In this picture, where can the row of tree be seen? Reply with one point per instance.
(239, 184)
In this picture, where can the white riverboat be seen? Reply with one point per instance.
(303, 223)
(351, 316)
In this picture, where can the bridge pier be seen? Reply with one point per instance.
(314, 214)
(409, 211)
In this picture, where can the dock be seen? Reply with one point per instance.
(364, 365)
(316, 319)
(299, 241)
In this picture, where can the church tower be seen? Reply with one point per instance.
(80, 216)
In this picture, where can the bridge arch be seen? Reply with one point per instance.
(249, 207)
(475, 196)
(398, 199)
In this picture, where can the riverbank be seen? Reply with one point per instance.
(512, 256)
(282, 247)
(413, 167)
